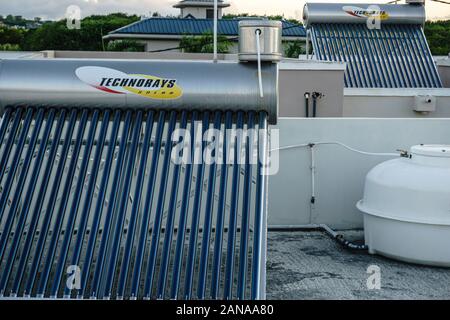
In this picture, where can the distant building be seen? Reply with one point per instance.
(33, 25)
(196, 19)
(200, 9)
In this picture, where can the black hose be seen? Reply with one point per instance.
(307, 104)
(350, 245)
(315, 96)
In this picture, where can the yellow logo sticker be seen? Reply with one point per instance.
(366, 13)
(116, 82)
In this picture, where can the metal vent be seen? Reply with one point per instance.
(95, 193)
(394, 56)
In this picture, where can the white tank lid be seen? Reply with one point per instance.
(431, 150)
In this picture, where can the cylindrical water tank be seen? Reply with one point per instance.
(406, 207)
(269, 33)
(359, 13)
(179, 85)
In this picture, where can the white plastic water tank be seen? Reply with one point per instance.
(406, 207)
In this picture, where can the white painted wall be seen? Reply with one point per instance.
(199, 12)
(444, 71)
(393, 103)
(153, 45)
(340, 173)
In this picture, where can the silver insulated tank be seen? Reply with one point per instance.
(269, 33)
(179, 85)
(314, 13)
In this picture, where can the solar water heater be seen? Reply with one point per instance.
(384, 46)
(93, 204)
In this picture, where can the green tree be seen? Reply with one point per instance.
(125, 46)
(56, 35)
(11, 36)
(438, 36)
(9, 47)
(292, 49)
(204, 43)
(270, 17)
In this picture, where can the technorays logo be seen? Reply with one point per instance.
(366, 13)
(116, 82)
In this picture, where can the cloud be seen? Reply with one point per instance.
(55, 9)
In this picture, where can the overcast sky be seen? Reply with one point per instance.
(54, 9)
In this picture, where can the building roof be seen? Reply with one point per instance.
(189, 26)
(200, 3)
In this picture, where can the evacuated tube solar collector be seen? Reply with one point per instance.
(86, 136)
(383, 45)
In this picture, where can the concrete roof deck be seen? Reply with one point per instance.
(311, 266)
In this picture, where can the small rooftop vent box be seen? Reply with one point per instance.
(424, 103)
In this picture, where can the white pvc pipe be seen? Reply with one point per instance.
(215, 29)
(313, 162)
(313, 175)
(303, 145)
(308, 38)
(258, 49)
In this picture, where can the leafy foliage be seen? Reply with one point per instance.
(125, 46)
(9, 47)
(438, 36)
(56, 35)
(273, 17)
(292, 49)
(204, 43)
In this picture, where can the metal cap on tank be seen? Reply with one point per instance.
(270, 33)
(431, 154)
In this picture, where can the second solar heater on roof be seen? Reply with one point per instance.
(392, 54)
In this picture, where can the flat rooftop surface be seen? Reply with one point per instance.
(310, 265)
